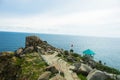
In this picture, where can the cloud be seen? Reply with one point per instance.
(86, 18)
(74, 17)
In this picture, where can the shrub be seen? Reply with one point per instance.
(71, 50)
(75, 55)
(62, 74)
(81, 77)
(66, 52)
(59, 55)
(107, 69)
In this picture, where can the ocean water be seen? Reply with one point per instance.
(107, 49)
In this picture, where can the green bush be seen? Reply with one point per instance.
(66, 52)
(107, 69)
(62, 74)
(71, 50)
(81, 77)
(59, 55)
(75, 55)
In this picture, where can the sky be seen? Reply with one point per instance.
(99, 18)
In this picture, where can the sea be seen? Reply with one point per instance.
(106, 49)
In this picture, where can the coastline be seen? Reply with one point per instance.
(87, 66)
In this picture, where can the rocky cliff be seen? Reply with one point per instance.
(24, 63)
(36, 62)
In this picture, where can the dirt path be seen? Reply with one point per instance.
(61, 65)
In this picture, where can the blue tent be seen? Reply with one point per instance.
(88, 52)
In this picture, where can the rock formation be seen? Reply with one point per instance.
(34, 41)
(45, 76)
(27, 64)
(97, 75)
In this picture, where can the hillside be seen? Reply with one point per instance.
(41, 61)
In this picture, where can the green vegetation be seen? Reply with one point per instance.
(59, 55)
(32, 66)
(107, 69)
(86, 59)
(76, 55)
(8, 68)
(100, 66)
(29, 67)
(81, 77)
(66, 52)
(62, 74)
(71, 50)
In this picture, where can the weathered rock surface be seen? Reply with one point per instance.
(28, 49)
(52, 69)
(97, 75)
(76, 67)
(85, 69)
(32, 41)
(118, 77)
(35, 41)
(58, 77)
(70, 59)
(19, 51)
(45, 76)
(113, 76)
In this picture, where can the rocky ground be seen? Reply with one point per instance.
(41, 61)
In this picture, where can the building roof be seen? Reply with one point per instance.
(88, 52)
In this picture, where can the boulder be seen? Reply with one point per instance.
(29, 49)
(52, 69)
(85, 69)
(118, 77)
(97, 75)
(32, 41)
(71, 59)
(77, 65)
(72, 68)
(36, 41)
(113, 76)
(58, 77)
(19, 51)
(45, 76)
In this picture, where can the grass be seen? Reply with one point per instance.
(32, 66)
(81, 77)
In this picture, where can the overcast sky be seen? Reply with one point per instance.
(74, 17)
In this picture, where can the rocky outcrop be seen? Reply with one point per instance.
(118, 77)
(76, 67)
(19, 51)
(28, 49)
(34, 41)
(70, 59)
(97, 75)
(52, 69)
(85, 69)
(81, 68)
(45, 76)
(58, 77)
(8, 69)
